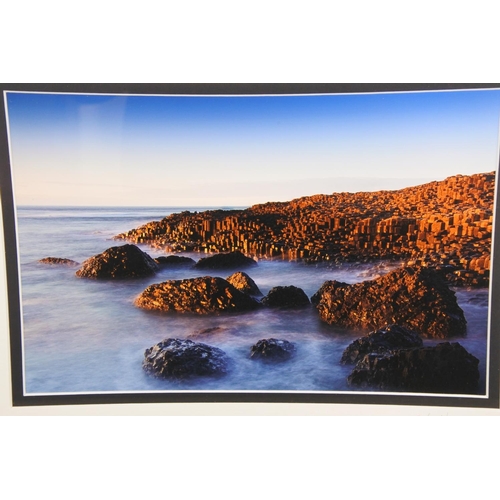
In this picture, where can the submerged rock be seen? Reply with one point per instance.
(175, 261)
(445, 368)
(418, 299)
(242, 282)
(58, 261)
(209, 332)
(272, 350)
(287, 297)
(127, 261)
(179, 359)
(195, 295)
(231, 260)
(384, 340)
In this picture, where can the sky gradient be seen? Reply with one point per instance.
(112, 150)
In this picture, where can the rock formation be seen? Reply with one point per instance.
(196, 295)
(286, 297)
(384, 340)
(180, 359)
(231, 260)
(417, 299)
(272, 350)
(446, 368)
(127, 261)
(58, 261)
(242, 282)
(445, 224)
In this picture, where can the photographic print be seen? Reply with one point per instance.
(230, 246)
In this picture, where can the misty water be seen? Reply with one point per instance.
(82, 336)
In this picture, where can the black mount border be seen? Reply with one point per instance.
(13, 289)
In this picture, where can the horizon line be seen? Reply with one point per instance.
(245, 206)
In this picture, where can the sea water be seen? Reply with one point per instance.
(86, 336)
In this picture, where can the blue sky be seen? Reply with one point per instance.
(236, 151)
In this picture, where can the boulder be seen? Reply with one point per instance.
(175, 261)
(287, 297)
(384, 340)
(272, 350)
(58, 261)
(446, 368)
(242, 282)
(231, 260)
(127, 261)
(195, 295)
(180, 359)
(418, 299)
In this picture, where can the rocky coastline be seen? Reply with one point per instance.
(403, 307)
(441, 231)
(445, 225)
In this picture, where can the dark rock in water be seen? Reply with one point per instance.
(231, 260)
(127, 261)
(445, 368)
(418, 299)
(242, 282)
(179, 359)
(272, 350)
(58, 261)
(196, 295)
(287, 297)
(175, 260)
(388, 339)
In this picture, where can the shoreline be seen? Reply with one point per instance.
(446, 225)
(356, 230)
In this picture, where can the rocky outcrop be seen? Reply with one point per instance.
(58, 261)
(418, 299)
(175, 261)
(127, 261)
(384, 340)
(242, 282)
(441, 223)
(196, 295)
(272, 350)
(180, 359)
(231, 260)
(445, 368)
(286, 297)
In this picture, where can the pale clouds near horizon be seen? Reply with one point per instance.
(157, 150)
(206, 194)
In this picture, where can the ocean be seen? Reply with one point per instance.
(86, 336)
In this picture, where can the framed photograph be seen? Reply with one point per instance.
(252, 243)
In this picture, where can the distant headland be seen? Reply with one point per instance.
(442, 224)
